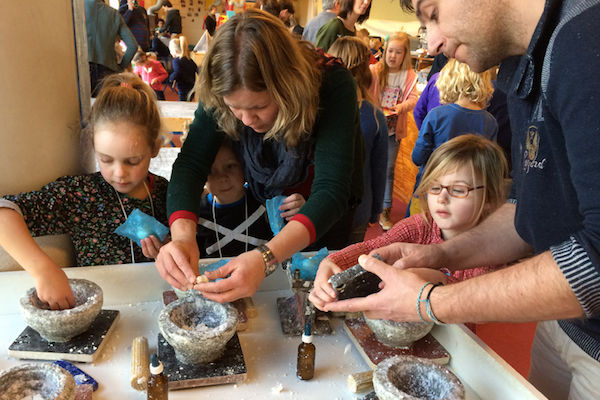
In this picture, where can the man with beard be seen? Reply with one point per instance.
(549, 55)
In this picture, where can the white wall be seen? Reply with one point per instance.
(39, 105)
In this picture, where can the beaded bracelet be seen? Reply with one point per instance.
(430, 313)
(419, 301)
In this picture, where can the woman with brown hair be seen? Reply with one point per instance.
(293, 116)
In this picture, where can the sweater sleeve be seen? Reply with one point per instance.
(192, 166)
(424, 145)
(573, 102)
(49, 210)
(409, 230)
(336, 133)
(129, 40)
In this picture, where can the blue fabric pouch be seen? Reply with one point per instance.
(139, 226)
(273, 212)
(308, 265)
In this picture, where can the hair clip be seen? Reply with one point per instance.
(126, 84)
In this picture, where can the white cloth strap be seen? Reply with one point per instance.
(234, 234)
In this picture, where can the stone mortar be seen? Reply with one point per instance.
(398, 334)
(44, 381)
(197, 328)
(412, 378)
(62, 325)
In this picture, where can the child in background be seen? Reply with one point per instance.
(231, 221)
(184, 68)
(152, 72)
(464, 182)
(356, 55)
(394, 85)
(376, 47)
(464, 95)
(124, 126)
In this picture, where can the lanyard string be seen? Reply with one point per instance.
(214, 215)
(125, 214)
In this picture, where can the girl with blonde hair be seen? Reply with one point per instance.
(394, 86)
(184, 68)
(292, 115)
(464, 94)
(355, 54)
(465, 181)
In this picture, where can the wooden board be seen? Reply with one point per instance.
(374, 351)
(82, 348)
(244, 306)
(230, 368)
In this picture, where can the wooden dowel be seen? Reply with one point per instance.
(360, 381)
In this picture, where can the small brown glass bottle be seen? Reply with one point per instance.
(306, 356)
(158, 384)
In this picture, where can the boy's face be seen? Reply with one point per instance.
(226, 178)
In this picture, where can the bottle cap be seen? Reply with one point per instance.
(156, 366)
(307, 335)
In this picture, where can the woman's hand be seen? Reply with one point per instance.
(291, 205)
(53, 288)
(177, 263)
(240, 277)
(322, 292)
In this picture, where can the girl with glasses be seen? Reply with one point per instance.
(464, 181)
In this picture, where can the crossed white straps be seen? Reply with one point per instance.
(234, 234)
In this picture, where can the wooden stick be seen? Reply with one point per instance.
(360, 381)
(140, 363)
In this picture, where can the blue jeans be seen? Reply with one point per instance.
(391, 164)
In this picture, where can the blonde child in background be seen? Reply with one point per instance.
(184, 68)
(464, 182)
(356, 55)
(463, 94)
(152, 72)
(394, 86)
(124, 126)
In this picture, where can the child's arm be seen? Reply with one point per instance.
(408, 104)
(51, 282)
(407, 230)
(424, 145)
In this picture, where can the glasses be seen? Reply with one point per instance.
(456, 190)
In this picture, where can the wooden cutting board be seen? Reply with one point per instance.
(230, 368)
(374, 351)
(82, 348)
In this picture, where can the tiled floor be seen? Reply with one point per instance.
(511, 341)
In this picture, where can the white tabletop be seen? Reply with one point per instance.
(136, 291)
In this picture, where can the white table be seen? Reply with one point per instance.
(136, 291)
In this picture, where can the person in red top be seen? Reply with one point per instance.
(152, 72)
(464, 182)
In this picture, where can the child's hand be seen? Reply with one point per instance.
(151, 246)
(53, 289)
(153, 81)
(291, 205)
(322, 292)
